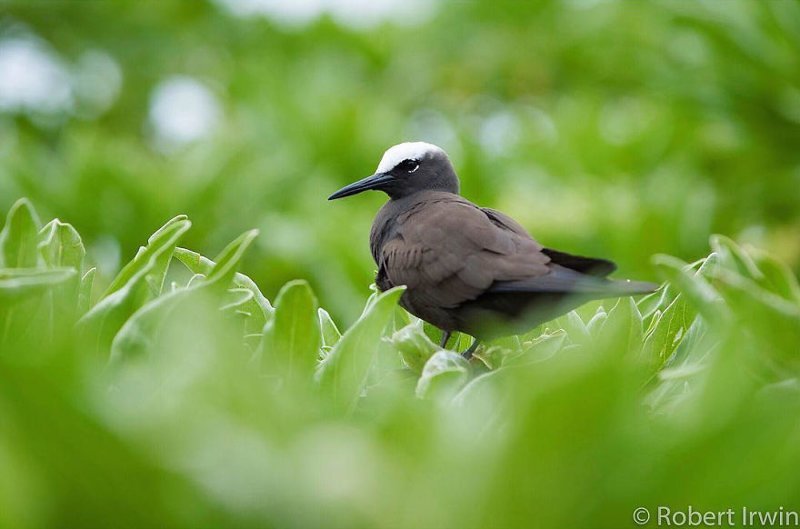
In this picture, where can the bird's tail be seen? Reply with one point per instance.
(630, 288)
(569, 282)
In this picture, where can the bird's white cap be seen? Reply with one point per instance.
(406, 151)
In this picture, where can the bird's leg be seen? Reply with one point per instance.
(468, 353)
(445, 339)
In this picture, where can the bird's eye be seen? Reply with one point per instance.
(408, 166)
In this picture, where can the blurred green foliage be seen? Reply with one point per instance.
(620, 129)
(155, 387)
(183, 398)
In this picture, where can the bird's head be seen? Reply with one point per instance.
(405, 169)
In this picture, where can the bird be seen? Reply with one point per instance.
(467, 268)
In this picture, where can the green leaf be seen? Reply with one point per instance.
(777, 277)
(748, 301)
(538, 350)
(18, 284)
(60, 245)
(155, 257)
(85, 290)
(343, 373)
(329, 330)
(133, 288)
(414, 346)
(492, 387)
(142, 329)
(291, 342)
(240, 304)
(443, 376)
(19, 237)
(733, 258)
(236, 302)
(597, 321)
(657, 301)
(623, 329)
(198, 264)
(575, 328)
(693, 286)
(667, 332)
(27, 305)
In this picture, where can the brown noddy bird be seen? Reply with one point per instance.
(467, 268)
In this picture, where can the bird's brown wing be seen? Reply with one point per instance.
(585, 265)
(450, 251)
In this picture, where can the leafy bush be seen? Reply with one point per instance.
(181, 396)
(593, 123)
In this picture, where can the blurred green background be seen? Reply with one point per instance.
(617, 129)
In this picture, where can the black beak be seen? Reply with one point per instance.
(375, 181)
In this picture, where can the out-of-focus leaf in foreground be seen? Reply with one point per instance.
(343, 373)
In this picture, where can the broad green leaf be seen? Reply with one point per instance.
(143, 327)
(241, 304)
(597, 321)
(708, 266)
(575, 328)
(444, 374)
(155, 257)
(540, 349)
(657, 301)
(195, 280)
(138, 333)
(623, 329)
(489, 389)
(222, 269)
(402, 318)
(329, 330)
(99, 325)
(414, 346)
(665, 336)
(18, 284)
(774, 319)
(654, 319)
(28, 299)
(693, 286)
(777, 277)
(343, 373)
(60, 245)
(236, 301)
(290, 347)
(693, 346)
(198, 264)
(510, 342)
(19, 237)
(493, 356)
(733, 258)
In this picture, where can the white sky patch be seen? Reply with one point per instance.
(355, 14)
(183, 110)
(32, 79)
(405, 151)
